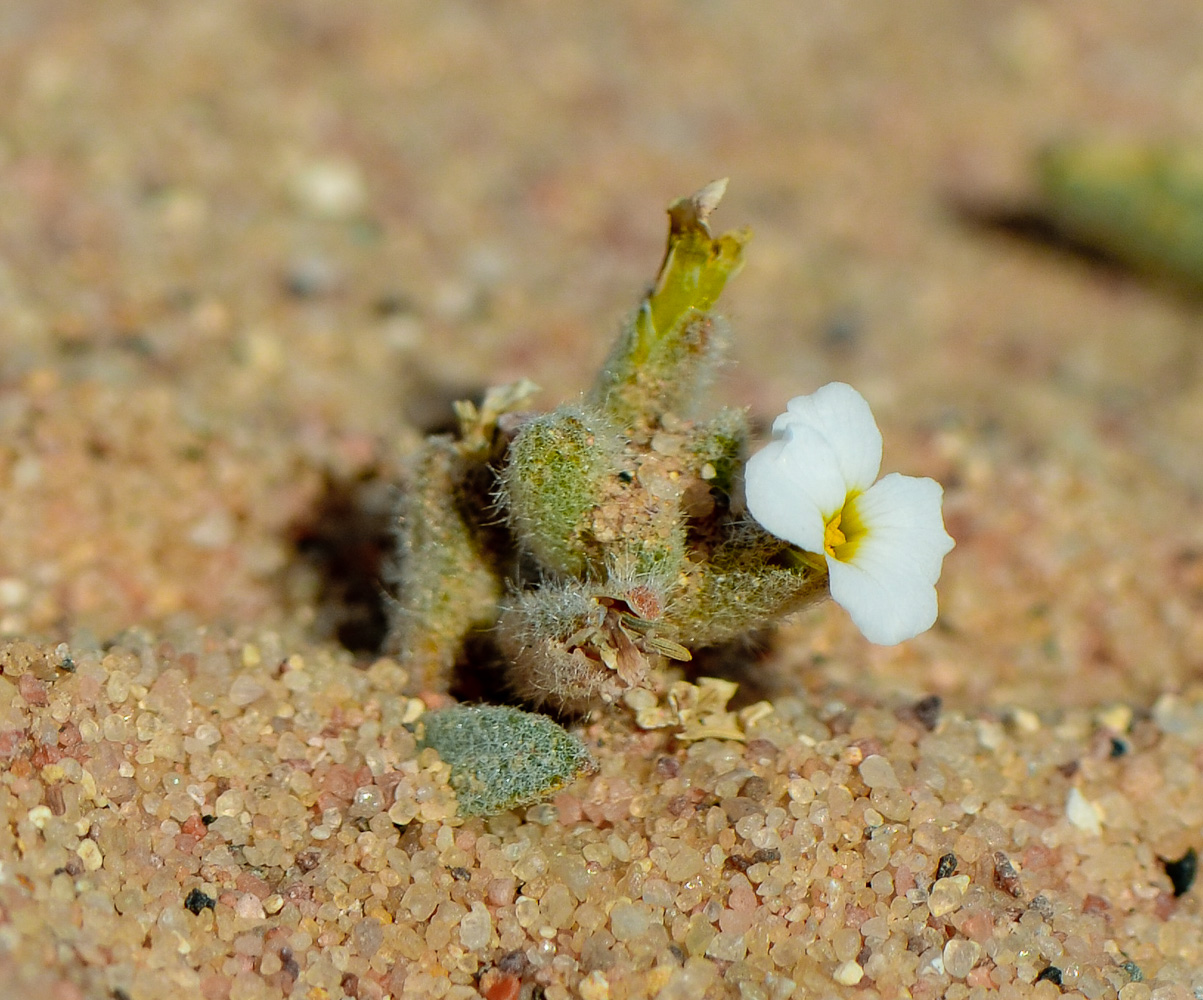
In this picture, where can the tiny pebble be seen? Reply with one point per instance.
(245, 690)
(1025, 720)
(1005, 875)
(594, 986)
(1174, 715)
(249, 907)
(329, 189)
(947, 894)
(947, 865)
(727, 947)
(848, 973)
(420, 899)
(960, 956)
(927, 711)
(1083, 813)
(213, 531)
(685, 865)
(197, 901)
(39, 816)
(476, 927)
(13, 592)
(628, 920)
(1134, 972)
(90, 855)
(1117, 718)
(877, 772)
(1183, 871)
(496, 984)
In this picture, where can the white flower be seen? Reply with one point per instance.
(883, 542)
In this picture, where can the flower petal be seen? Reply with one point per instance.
(793, 486)
(840, 414)
(906, 512)
(888, 585)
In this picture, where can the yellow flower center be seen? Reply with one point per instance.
(845, 531)
(832, 536)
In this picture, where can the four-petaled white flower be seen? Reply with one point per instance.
(883, 542)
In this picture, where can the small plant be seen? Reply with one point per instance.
(1140, 203)
(628, 536)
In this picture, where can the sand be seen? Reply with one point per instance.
(250, 252)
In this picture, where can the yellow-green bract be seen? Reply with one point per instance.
(501, 757)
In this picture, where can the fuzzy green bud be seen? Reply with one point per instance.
(447, 584)
(557, 471)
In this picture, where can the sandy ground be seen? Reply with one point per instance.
(248, 254)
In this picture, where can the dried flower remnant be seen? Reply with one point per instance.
(502, 758)
(881, 542)
(576, 646)
(696, 712)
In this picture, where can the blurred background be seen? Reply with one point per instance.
(250, 251)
